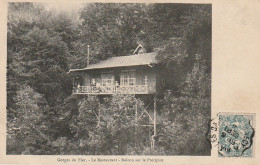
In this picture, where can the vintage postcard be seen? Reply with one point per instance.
(130, 82)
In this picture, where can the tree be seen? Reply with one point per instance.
(27, 132)
(21, 19)
(109, 127)
(185, 122)
(36, 78)
(114, 30)
(46, 63)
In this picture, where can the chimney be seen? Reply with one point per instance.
(88, 57)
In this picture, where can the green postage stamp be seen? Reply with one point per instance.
(236, 133)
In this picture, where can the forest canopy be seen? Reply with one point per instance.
(43, 117)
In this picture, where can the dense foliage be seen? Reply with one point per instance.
(44, 118)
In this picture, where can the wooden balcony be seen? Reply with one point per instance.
(107, 90)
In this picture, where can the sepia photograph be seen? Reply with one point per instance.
(108, 79)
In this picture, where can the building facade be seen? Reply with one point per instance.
(133, 74)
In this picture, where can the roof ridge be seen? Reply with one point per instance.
(128, 60)
(127, 55)
(134, 54)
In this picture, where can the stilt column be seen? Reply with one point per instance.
(154, 122)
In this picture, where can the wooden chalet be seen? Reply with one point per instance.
(138, 74)
(133, 74)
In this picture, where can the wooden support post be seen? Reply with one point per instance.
(155, 113)
(99, 114)
(154, 122)
(149, 133)
(136, 120)
(88, 57)
(136, 112)
(73, 83)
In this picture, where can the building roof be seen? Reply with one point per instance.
(122, 61)
(137, 50)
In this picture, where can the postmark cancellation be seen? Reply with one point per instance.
(236, 134)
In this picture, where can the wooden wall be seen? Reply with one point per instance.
(140, 72)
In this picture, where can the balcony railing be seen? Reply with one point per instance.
(135, 89)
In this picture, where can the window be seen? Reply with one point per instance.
(107, 79)
(124, 79)
(107, 82)
(128, 78)
(131, 78)
(145, 80)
